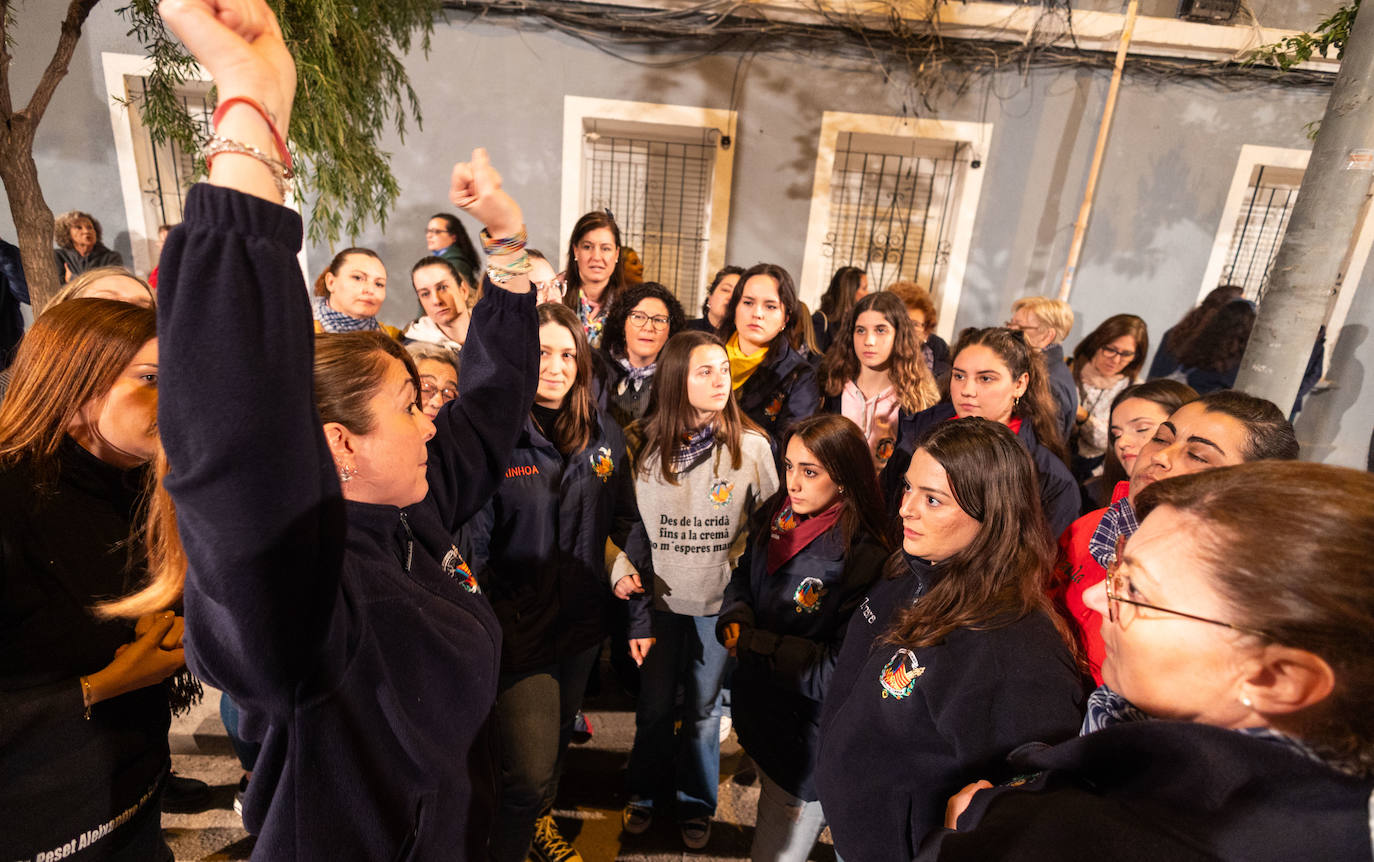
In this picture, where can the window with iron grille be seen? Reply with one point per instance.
(165, 170)
(659, 192)
(890, 206)
(1259, 227)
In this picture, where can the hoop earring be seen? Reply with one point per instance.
(347, 472)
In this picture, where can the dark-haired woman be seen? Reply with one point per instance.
(1215, 430)
(774, 384)
(848, 285)
(955, 657)
(593, 276)
(1238, 724)
(444, 295)
(996, 375)
(446, 238)
(539, 551)
(1136, 412)
(717, 302)
(83, 738)
(702, 470)
(350, 292)
(1177, 337)
(1212, 361)
(322, 588)
(874, 372)
(814, 549)
(1107, 361)
(639, 323)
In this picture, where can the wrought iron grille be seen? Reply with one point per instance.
(1260, 227)
(660, 195)
(165, 170)
(890, 212)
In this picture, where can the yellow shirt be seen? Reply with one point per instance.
(741, 366)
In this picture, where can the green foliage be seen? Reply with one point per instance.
(1331, 33)
(351, 86)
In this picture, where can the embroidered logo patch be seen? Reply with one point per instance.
(602, 464)
(808, 596)
(774, 407)
(784, 521)
(899, 674)
(883, 451)
(722, 492)
(457, 568)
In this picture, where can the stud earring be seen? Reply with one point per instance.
(1246, 702)
(347, 472)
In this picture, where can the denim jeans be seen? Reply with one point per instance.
(685, 653)
(534, 713)
(246, 751)
(786, 827)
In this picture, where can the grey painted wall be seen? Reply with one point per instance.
(1168, 167)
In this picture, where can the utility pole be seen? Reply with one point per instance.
(1303, 277)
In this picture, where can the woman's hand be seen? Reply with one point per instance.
(958, 803)
(476, 187)
(628, 586)
(240, 44)
(146, 661)
(639, 649)
(731, 633)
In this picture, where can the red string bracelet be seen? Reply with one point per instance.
(266, 118)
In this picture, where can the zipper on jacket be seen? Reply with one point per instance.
(410, 543)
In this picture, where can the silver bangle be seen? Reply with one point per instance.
(280, 172)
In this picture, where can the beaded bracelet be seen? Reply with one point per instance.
(280, 172)
(500, 274)
(506, 245)
(282, 151)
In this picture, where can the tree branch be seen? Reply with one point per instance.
(57, 66)
(6, 106)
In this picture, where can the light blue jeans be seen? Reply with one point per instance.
(786, 827)
(685, 653)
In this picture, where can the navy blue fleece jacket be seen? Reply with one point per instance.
(349, 633)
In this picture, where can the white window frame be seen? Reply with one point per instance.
(579, 111)
(977, 136)
(1252, 155)
(142, 230)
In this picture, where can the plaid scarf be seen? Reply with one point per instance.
(1106, 708)
(336, 321)
(1118, 520)
(694, 446)
(636, 376)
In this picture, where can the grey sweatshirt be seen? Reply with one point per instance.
(697, 528)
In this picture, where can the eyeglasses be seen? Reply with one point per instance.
(641, 320)
(1116, 584)
(429, 231)
(1013, 325)
(429, 390)
(1113, 353)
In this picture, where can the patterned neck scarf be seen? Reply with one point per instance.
(636, 376)
(1107, 708)
(336, 321)
(593, 319)
(694, 445)
(1118, 520)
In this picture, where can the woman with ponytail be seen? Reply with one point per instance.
(996, 375)
(539, 551)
